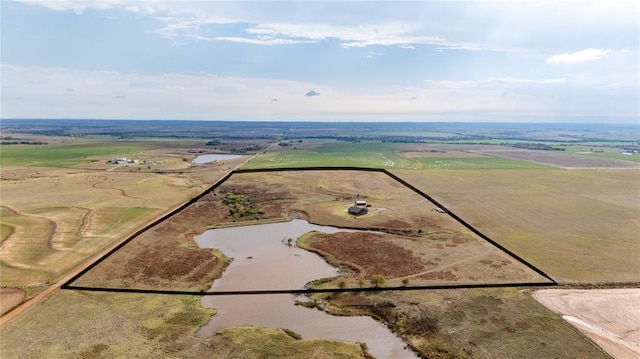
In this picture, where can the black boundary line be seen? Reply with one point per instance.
(311, 291)
(68, 284)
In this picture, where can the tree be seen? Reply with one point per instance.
(377, 280)
(405, 281)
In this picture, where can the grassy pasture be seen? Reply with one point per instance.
(61, 217)
(27, 245)
(614, 153)
(61, 155)
(577, 226)
(116, 219)
(74, 324)
(335, 153)
(346, 159)
(476, 163)
(471, 323)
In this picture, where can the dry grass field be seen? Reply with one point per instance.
(413, 241)
(577, 226)
(470, 323)
(54, 219)
(76, 324)
(481, 323)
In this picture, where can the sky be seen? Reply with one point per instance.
(486, 61)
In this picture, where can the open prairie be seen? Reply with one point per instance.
(577, 226)
(166, 257)
(53, 219)
(469, 323)
(76, 324)
(413, 240)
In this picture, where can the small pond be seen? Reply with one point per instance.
(262, 260)
(213, 157)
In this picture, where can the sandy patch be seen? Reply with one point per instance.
(9, 298)
(609, 317)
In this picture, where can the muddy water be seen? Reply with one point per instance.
(213, 157)
(262, 260)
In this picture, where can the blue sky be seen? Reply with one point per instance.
(547, 61)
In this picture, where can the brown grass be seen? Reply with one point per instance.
(76, 324)
(470, 323)
(577, 226)
(422, 245)
(53, 219)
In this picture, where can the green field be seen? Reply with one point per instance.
(324, 156)
(387, 159)
(60, 156)
(478, 163)
(610, 153)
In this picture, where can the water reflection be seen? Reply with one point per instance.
(262, 260)
(213, 157)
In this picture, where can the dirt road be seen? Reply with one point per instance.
(609, 317)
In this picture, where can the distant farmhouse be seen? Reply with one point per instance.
(121, 160)
(356, 210)
(359, 208)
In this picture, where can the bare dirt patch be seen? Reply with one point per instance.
(9, 298)
(609, 317)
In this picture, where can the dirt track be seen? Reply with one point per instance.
(609, 317)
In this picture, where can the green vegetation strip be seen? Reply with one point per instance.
(330, 159)
(60, 156)
(480, 163)
(609, 153)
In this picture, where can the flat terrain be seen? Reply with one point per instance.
(577, 226)
(480, 323)
(470, 323)
(76, 324)
(609, 317)
(565, 160)
(424, 245)
(63, 203)
(54, 219)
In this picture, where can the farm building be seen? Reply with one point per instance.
(355, 210)
(361, 203)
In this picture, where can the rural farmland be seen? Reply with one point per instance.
(448, 256)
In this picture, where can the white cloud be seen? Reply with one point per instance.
(476, 25)
(579, 56)
(262, 40)
(31, 92)
(495, 82)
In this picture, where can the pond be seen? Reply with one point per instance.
(213, 157)
(262, 260)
